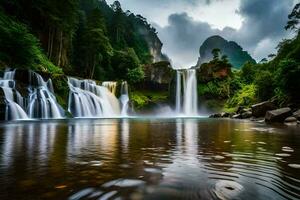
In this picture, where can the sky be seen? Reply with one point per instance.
(183, 25)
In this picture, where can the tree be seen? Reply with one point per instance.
(21, 49)
(127, 65)
(118, 26)
(248, 72)
(97, 44)
(216, 53)
(294, 17)
(287, 78)
(224, 58)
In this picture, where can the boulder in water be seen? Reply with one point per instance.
(237, 116)
(246, 115)
(290, 121)
(296, 114)
(278, 115)
(260, 109)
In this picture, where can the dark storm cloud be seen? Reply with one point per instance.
(262, 28)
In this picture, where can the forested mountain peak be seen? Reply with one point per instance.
(235, 53)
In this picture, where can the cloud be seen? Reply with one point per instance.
(261, 30)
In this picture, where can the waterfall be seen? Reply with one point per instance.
(124, 98)
(42, 101)
(178, 91)
(111, 86)
(186, 100)
(87, 99)
(39, 103)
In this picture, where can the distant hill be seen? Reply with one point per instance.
(236, 55)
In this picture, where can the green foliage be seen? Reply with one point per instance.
(246, 96)
(294, 18)
(127, 65)
(144, 99)
(265, 85)
(287, 78)
(135, 75)
(248, 72)
(93, 45)
(21, 49)
(86, 38)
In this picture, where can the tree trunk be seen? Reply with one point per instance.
(93, 69)
(60, 49)
(51, 43)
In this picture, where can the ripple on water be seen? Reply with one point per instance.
(124, 183)
(219, 157)
(225, 189)
(153, 170)
(295, 166)
(81, 193)
(283, 154)
(287, 149)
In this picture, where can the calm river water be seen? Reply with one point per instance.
(149, 159)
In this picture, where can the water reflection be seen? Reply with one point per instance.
(148, 159)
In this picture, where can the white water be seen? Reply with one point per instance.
(87, 99)
(124, 99)
(40, 103)
(186, 97)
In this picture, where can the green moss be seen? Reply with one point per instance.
(144, 99)
(61, 89)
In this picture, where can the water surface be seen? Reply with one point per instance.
(148, 159)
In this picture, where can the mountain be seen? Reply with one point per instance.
(235, 53)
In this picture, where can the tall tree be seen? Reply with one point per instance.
(294, 18)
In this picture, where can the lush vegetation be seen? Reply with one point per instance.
(276, 79)
(84, 38)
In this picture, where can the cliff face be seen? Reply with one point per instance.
(154, 44)
(236, 55)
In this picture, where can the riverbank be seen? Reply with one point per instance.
(264, 111)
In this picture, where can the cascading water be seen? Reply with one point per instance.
(42, 102)
(111, 86)
(39, 103)
(186, 96)
(124, 98)
(87, 99)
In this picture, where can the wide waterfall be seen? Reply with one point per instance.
(186, 92)
(87, 99)
(124, 98)
(39, 101)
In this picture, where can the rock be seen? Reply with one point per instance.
(278, 115)
(290, 121)
(297, 115)
(158, 75)
(216, 115)
(240, 109)
(225, 114)
(2, 106)
(237, 116)
(246, 115)
(260, 109)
